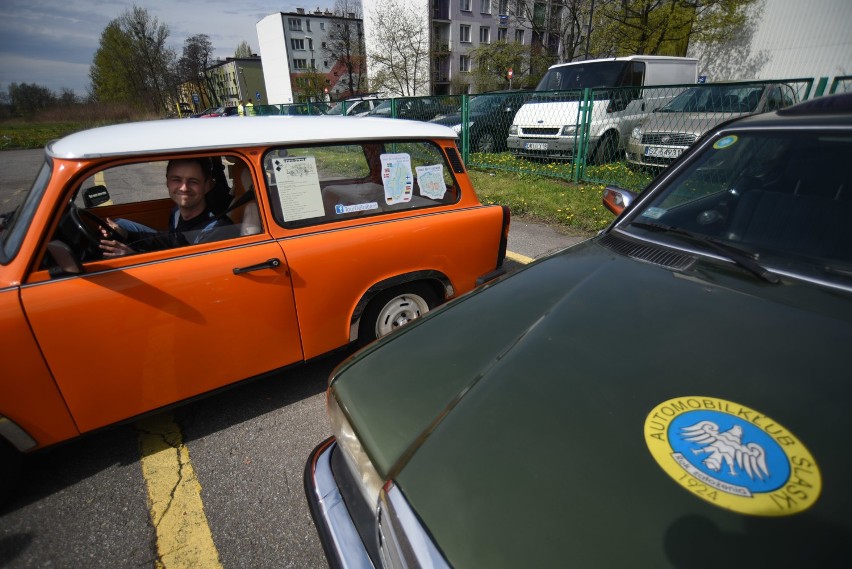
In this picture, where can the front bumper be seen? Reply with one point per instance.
(338, 532)
(553, 147)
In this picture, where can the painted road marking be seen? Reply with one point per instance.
(518, 258)
(174, 497)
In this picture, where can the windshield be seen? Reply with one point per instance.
(716, 99)
(581, 76)
(784, 196)
(16, 211)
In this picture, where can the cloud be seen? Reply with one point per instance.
(52, 42)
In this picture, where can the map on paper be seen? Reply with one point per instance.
(298, 187)
(431, 181)
(397, 178)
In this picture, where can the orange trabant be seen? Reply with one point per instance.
(153, 262)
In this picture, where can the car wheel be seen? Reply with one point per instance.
(394, 309)
(486, 143)
(606, 150)
(10, 469)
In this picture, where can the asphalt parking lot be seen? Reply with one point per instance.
(88, 503)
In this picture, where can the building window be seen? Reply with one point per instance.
(484, 6)
(310, 44)
(313, 64)
(502, 34)
(308, 24)
(300, 64)
(519, 36)
(503, 9)
(297, 44)
(484, 34)
(464, 63)
(464, 33)
(295, 24)
(464, 5)
(322, 26)
(325, 64)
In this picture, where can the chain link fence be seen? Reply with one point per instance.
(622, 136)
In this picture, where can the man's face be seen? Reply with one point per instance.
(187, 184)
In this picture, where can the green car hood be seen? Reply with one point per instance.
(514, 421)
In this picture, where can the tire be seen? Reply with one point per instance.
(393, 309)
(486, 143)
(605, 151)
(10, 469)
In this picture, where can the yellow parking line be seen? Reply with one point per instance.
(518, 258)
(174, 497)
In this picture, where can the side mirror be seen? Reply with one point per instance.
(95, 196)
(616, 199)
(66, 262)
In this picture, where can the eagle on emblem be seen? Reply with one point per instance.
(727, 448)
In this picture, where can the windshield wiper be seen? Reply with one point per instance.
(739, 256)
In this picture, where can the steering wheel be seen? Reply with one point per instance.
(83, 219)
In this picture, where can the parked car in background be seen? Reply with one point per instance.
(489, 118)
(673, 392)
(333, 231)
(665, 134)
(202, 113)
(225, 111)
(417, 108)
(355, 106)
(625, 89)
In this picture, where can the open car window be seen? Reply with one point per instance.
(135, 196)
(321, 184)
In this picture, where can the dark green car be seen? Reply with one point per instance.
(674, 392)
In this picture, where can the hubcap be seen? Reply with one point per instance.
(398, 312)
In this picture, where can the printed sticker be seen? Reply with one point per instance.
(431, 181)
(725, 142)
(340, 208)
(732, 456)
(397, 178)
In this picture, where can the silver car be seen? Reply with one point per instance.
(666, 133)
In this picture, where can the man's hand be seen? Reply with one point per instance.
(115, 248)
(112, 247)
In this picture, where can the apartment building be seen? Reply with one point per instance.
(236, 79)
(292, 49)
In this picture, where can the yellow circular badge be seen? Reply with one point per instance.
(732, 456)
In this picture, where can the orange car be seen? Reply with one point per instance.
(329, 230)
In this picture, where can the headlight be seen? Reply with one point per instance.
(569, 130)
(370, 484)
(513, 130)
(637, 133)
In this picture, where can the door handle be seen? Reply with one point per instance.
(268, 264)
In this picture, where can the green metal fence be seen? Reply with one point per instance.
(622, 136)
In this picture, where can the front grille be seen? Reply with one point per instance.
(672, 138)
(540, 131)
(648, 253)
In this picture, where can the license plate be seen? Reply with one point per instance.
(535, 146)
(657, 152)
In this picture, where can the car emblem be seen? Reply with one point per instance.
(665, 139)
(734, 457)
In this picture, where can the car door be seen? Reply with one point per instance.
(135, 333)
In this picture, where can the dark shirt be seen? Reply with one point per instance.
(202, 228)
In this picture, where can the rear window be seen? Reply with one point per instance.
(320, 184)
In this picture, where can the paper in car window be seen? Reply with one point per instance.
(397, 178)
(298, 187)
(431, 181)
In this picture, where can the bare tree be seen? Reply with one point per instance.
(733, 59)
(345, 43)
(243, 50)
(399, 60)
(192, 66)
(559, 28)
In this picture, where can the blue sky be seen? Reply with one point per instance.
(52, 42)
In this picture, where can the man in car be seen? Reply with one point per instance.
(191, 221)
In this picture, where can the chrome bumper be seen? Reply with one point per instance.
(340, 540)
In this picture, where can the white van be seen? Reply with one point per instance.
(547, 125)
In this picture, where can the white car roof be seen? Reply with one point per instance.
(177, 135)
